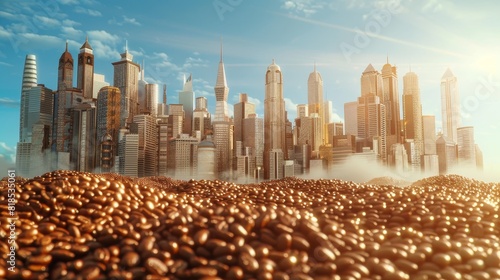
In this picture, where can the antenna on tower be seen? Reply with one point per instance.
(126, 45)
(142, 72)
(165, 94)
(221, 48)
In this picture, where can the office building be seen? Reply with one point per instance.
(108, 122)
(274, 123)
(145, 127)
(182, 153)
(206, 168)
(412, 113)
(466, 146)
(186, 98)
(99, 82)
(450, 105)
(447, 154)
(316, 106)
(202, 120)
(85, 76)
(351, 118)
(390, 100)
(83, 145)
(126, 78)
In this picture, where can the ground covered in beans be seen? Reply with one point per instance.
(83, 226)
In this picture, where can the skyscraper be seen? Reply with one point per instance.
(85, 80)
(351, 118)
(66, 98)
(372, 124)
(108, 120)
(186, 98)
(242, 110)
(466, 146)
(145, 127)
(202, 120)
(316, 105)
(222, 126)
(29, 81)
(151, 102)
(83, 144)
(391, 102)
(372, 83)
(429, 161)
(412, 114)
(447, 154)
(274, 123)
(126, 77)
(450, 105)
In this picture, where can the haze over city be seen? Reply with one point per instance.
(339, 40)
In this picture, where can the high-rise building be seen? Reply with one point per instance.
(335, 129)
(372, 124)
(316, 106)
(450, 105)
(479, 158)
(351, 118)
(254, 141)
(186, 98)
(447, 154)
(128, 153)
(126, 78)
(141, 91)
(372, 83)
(242, 110)
(29, 81)
(145, 127)
(163, 138)
(274, 123)
(302, 110)
(202, 120)
(223, 125)
(175, 120)
(108, 123)
(391, 102)
(162, 107)
(429, 134)
(466, 146)
(182, 153)
(151, 102)
(66, 98)
(83, 145)
(85, 79)
(429, 161)
(412, 112)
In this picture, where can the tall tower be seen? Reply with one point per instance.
(29, 81)
(186, 98)
(450, 105)
(371, 82)
(391, 102)
(85, 80)
(412, 113)
(242, 110)
(466, 146)
(316, 104)
(108, 122)
(126, 74)
(274, 123)
(222, 125)
(65, 70)
(221, 92)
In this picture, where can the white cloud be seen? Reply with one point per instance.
(7, 101)
(163, 62)
(290, 107)
(303, 7)
(71, 32)
(89, 12)
(102, 35)
(255, 101)
(29, 40)
(7, 155)
(4, 33)
(68, 22)
(46, 21)
(194, 62)
(68, 2)
(126, 19)
(7, 15)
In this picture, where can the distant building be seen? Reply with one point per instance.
(371, 124)
(126, 78)
(186, 98)
(317, 107)
(466, 146)
(202, 119)
(108, 121)
(351, 118)
(447, 154)
(412, 114)
(99, 83)
(206, 160)
(479, 158)
(83, 148)
(450, 105)
(129, 154)
(145, 127)
(182, 153)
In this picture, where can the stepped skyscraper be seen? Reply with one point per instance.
(222, 125)
(274, 123)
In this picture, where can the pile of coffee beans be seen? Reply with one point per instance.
(74, 225)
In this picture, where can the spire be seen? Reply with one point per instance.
(315, 66)
(126, 45)
(164, 94)
(221, 73)
(221, 49)
(66, 45)
(142, 70)
(387, 58)
(86, 45)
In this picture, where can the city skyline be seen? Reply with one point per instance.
(338, 90)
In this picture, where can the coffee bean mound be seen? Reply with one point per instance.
(74, 225)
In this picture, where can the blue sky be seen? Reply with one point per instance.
(342, 37)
